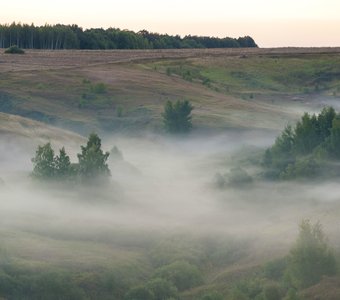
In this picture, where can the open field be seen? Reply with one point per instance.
(45, 59)
(126, 90)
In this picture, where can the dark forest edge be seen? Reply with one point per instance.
(61, 36)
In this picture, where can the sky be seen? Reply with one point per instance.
(272, 23)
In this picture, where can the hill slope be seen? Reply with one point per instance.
(126, 90)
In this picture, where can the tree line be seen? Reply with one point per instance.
(61, 36)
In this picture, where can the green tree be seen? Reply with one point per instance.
(177, 117)
(92, 160)
(212, 296)
(162, 289)
(181, 274)
(44, 163)
(332, 144)
(325, 122)
(310, 258)
(62, 164)
(280, 155)
(139, 293)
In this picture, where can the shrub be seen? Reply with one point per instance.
(99, 88)
(275, 269)
(239, 176)
(212, 296)
(138, 293)
(14, 50)
(310, 258)
(119, 111)
(272, 292)
(181, 274)
(162, 289)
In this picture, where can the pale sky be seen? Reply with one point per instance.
(272, 23)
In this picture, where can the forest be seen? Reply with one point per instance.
(61, 36)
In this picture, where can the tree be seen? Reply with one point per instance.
(181, 274)
(177, 117)
(138, 293)
(310, 258)
(92, 160)
(162, 289)
(62, 164)
(43, 162)
(306, 135)
(332, 144)
(302, 151)
(325, 121)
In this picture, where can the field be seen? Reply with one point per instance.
(126, 90)
(162, 212)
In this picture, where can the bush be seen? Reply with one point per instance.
(275, 269)
(181, 274)
(99, 88)
(310, 258)
(239, 176)
(272, 292)
(119, 111)
(212, 296)
(219, 181)
(14, 50)
(138, 293)
(162, 289)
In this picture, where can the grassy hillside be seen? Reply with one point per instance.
(19, 127)
(122, 90)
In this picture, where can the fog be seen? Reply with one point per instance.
(164, 185)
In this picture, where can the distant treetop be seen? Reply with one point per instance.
(74, 37)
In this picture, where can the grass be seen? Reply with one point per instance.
(259, 74)
(226, 90)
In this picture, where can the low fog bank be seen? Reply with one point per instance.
(163, 184)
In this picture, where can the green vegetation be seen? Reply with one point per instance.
(99, 88)
(306, 151)
(308, 261)
(91, 166)
(74, 37)
(92, 160)
(181, 274)
(177, 117)
(14, 50)
(254, 75)
(310, 258)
